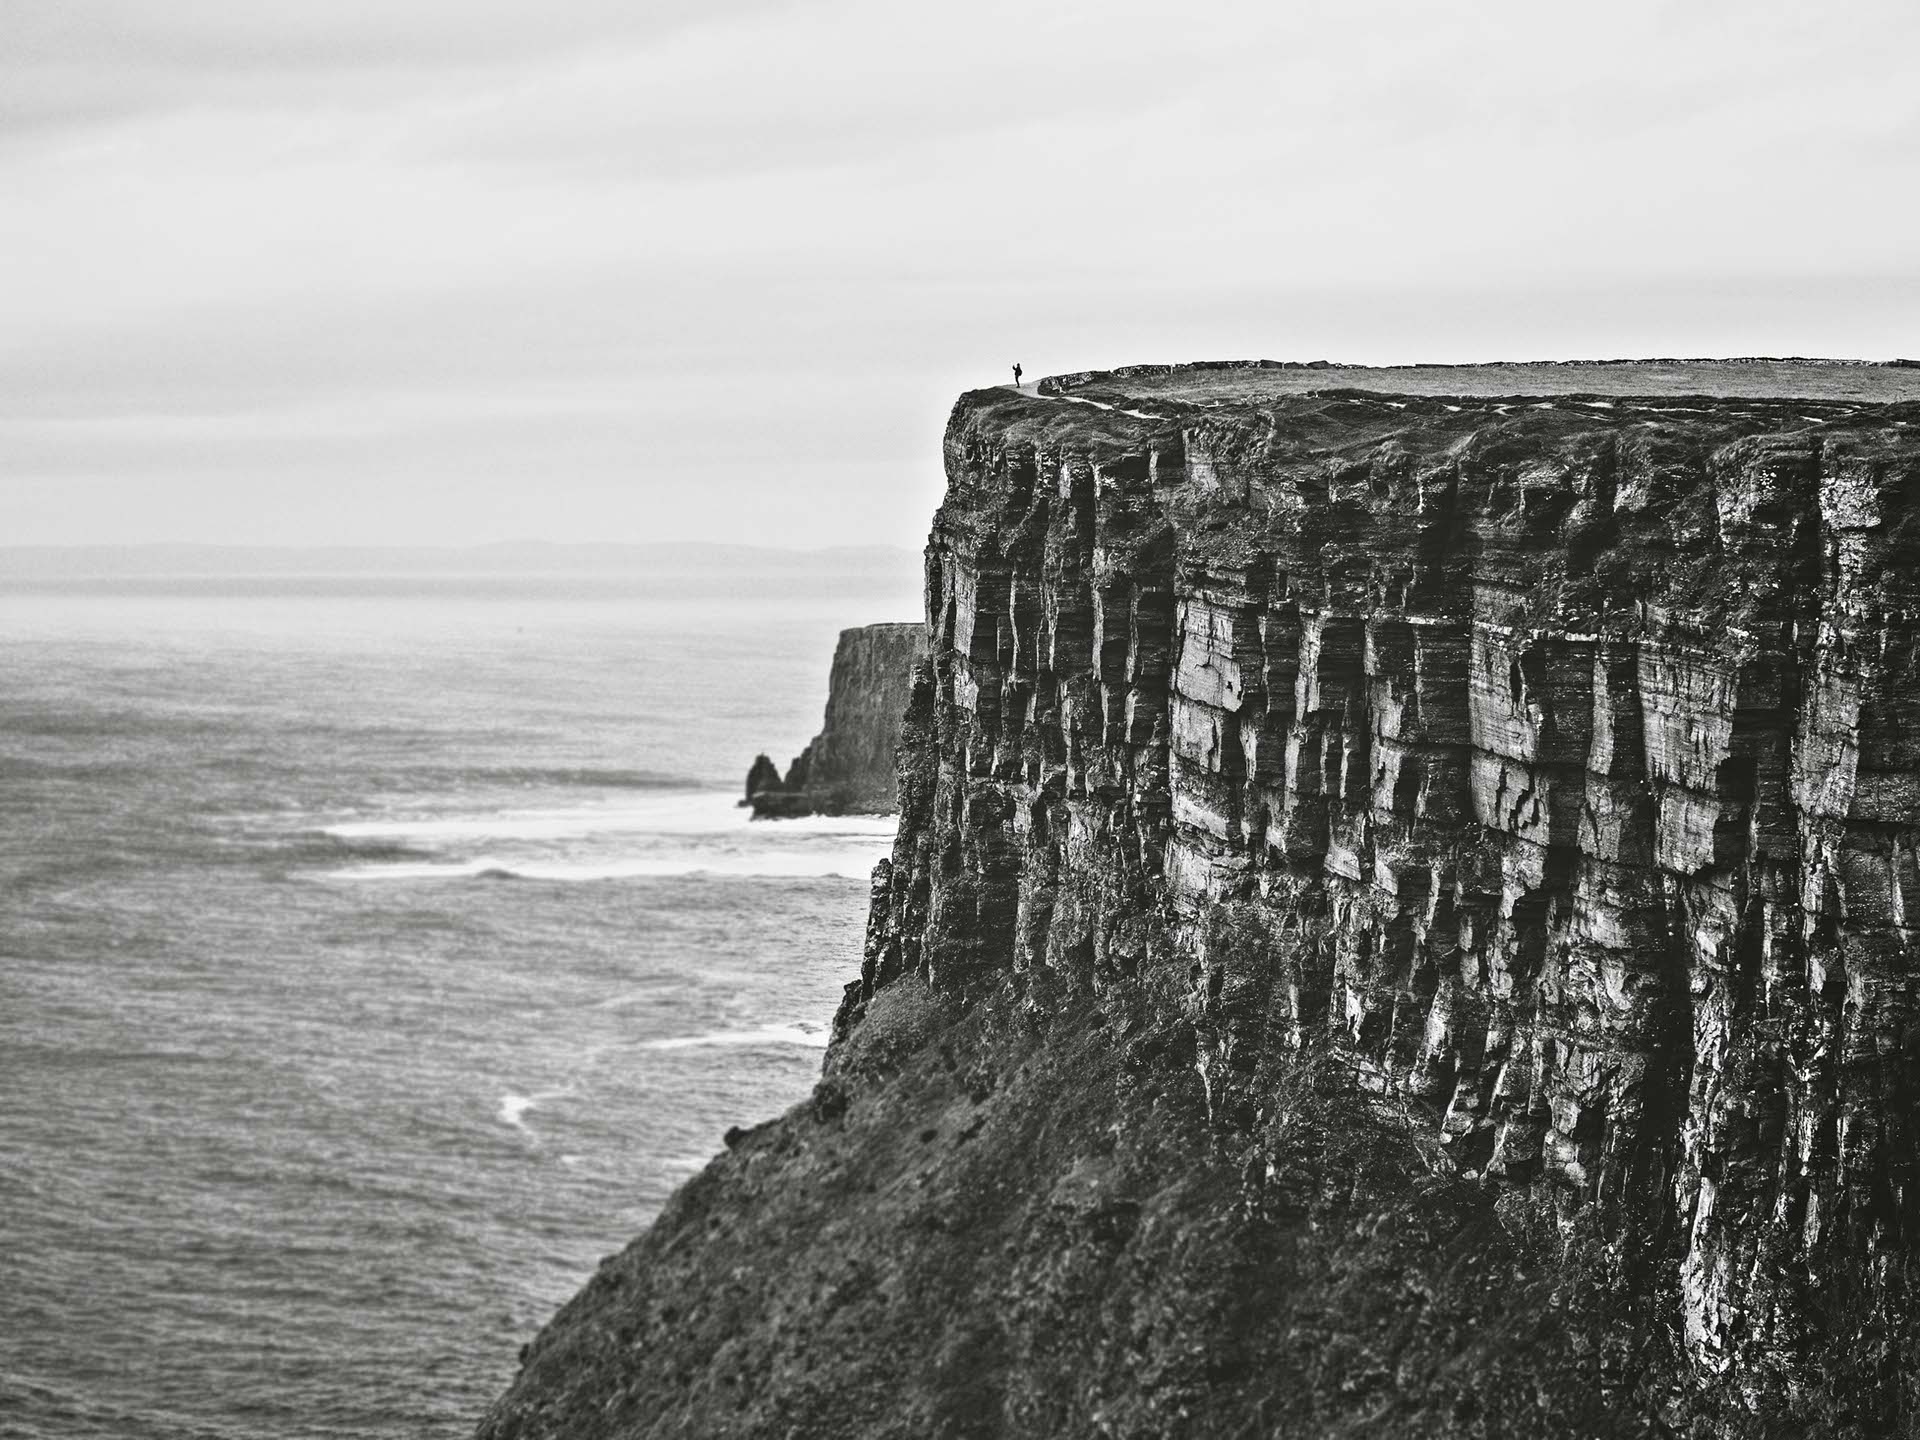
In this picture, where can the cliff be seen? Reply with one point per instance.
(1398, 927)
(849, 766)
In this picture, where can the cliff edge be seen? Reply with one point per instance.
(1398, 928)
(848, 768)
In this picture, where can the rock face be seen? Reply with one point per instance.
(1399, 926)
(849, 766)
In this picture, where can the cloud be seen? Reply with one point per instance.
(72, 62)
(606, 250)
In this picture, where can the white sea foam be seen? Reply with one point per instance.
(808, 1035)
(703, 812)
(851, 863)
(512, 1107)
(690, 833)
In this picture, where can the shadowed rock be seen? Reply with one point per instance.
(763, 774)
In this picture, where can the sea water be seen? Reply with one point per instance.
(374, 959)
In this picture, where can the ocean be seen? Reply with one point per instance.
(375, 956)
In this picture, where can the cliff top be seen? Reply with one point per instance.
(1253, 381)
(886, 628)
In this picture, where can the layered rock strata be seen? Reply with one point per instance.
(1533, 774)
(849, 766)
(1558, 760)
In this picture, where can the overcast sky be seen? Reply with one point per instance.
(453, 271)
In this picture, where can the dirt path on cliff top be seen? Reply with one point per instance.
(1032, 392)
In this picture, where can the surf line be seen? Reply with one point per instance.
(810, 1036)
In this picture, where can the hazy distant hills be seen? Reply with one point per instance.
(519, 557)
(878, 582)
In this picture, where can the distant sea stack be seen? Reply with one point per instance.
(1405, 922)
(848, 768)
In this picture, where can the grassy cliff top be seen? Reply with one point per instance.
(1758, 379)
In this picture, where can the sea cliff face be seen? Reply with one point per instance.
(849, 766)
(1399, 926)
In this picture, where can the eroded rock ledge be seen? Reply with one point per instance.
(848, 767)
(1399, 926)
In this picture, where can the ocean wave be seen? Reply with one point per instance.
(634, 997)
(680, 813)
(812, 1036)
(325, 847)
(513, 1107)
(814, 864)
(528, 775)
(24, 767)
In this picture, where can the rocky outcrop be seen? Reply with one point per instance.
(1399, 926)
(849, 766)
(762, 775)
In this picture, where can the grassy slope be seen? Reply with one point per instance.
(1748, 379)
(1042, 1238)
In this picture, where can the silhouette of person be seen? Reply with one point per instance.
(1016, 377)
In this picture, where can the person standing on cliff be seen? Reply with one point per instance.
(1016, 377)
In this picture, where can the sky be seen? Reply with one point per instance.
(463, 271)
